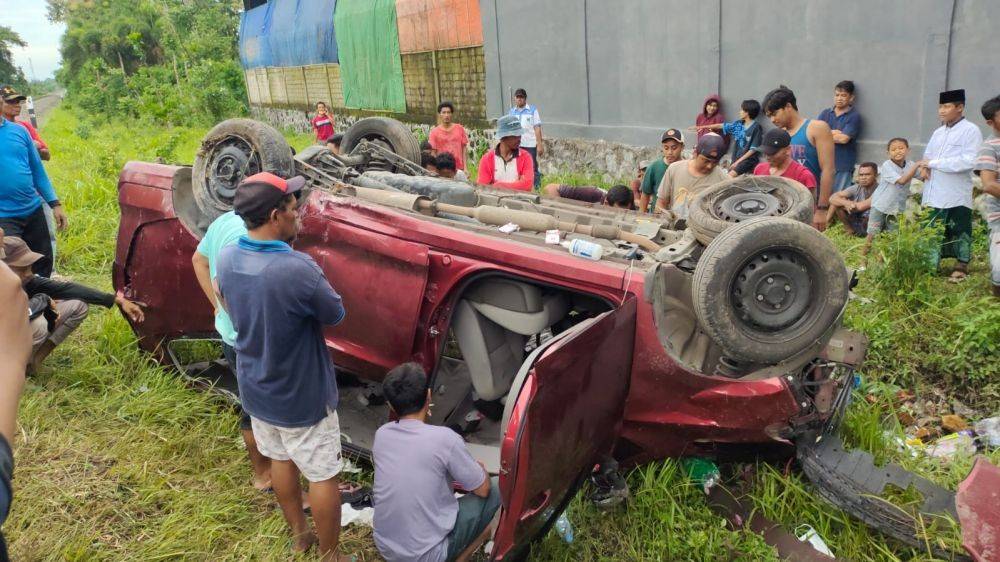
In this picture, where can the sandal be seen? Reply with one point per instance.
(957, 276)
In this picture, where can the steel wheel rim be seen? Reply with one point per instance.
(747, 205)
(232, 159)
(773, 290)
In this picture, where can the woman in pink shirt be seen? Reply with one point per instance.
(322, 123)
(449, 137)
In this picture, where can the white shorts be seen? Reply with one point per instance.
(315, 449)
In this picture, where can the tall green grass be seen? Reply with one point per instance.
(118, 459)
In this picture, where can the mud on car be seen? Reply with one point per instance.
(718, 335)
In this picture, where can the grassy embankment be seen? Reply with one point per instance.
(117, 459)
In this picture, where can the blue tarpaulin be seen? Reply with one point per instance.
(288, 33)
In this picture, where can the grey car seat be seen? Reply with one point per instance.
(492, 323)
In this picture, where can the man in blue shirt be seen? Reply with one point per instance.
(279, 300)
(531, 140)
(24, 188)
(845, 125)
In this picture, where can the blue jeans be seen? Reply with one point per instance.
(841, 180)
(533, 151)
(474, 514)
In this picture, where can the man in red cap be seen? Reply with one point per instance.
(279, 300)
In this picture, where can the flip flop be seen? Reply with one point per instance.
(957, 276)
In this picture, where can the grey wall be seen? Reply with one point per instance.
(624, 70)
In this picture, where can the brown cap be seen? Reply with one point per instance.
(10, 95)
(672, 134)
(711, 146)
(17, 253)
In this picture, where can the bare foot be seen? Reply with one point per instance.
(305, 502)
(262, 484)
(304, 542)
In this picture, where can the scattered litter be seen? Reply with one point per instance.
(953, 445)
(349, 467)
(509, 227)
(988, 431)
(350, 515)
(954, 423)
(806, 533)
(552, 236)
(703, 471)
(564, 528)
(583, 249)
(143, 388)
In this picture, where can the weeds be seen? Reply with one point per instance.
(118, 459)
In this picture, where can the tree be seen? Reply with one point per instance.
(9, 72)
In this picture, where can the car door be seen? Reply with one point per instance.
(567, 414)
(381, 279)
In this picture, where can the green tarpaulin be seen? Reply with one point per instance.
(368, 45)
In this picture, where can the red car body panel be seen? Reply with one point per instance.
(399, 277)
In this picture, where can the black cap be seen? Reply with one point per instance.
(520, 93)
(261, 192)
(10, 95)
(672, 134)
(774, 140)
(952, 96)
(711, 146)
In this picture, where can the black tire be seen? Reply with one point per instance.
(740, 199)
(386, 132)
(768, 288)
(232, 150)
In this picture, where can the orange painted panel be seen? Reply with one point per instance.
(433, 25)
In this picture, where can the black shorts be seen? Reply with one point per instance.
(230, 354)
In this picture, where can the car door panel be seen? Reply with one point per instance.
(381, 280)
(567, 414)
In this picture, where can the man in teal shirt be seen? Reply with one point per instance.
(224, 231)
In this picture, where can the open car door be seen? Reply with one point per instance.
(566, 416)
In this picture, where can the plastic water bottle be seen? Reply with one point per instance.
(584, 249)
(564, 528)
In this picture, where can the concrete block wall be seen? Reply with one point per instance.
(462, 80)
(418, 83)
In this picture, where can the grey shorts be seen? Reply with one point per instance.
(315, 449)
(879, 221)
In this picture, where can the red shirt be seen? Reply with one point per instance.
(453, 140)
(795, 171)
(323, 125)
(525, 170)
(33, 133)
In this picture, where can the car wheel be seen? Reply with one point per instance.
(231, 151)
(740, 199)
(769, 288)
(387, 133)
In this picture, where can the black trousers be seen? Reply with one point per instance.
(35, 232)
(533, 151)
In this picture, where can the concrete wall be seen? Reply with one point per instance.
(625, 70)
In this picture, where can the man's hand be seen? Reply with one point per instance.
(540, 149)
(131, 309)
(819, 219)
(62, 220)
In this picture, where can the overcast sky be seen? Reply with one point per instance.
(27, 18)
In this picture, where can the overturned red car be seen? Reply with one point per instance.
(717, 334)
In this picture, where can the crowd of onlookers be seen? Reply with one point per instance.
(821, 154)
